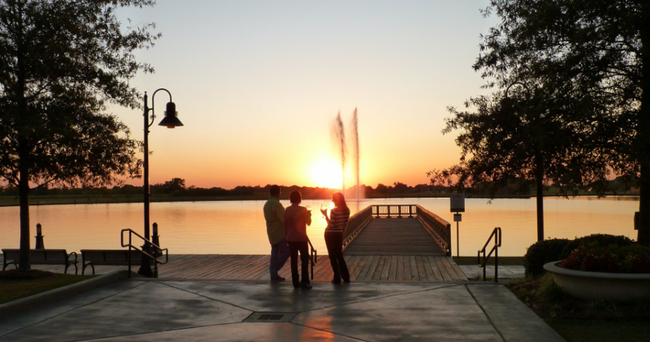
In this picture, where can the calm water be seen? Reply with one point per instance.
(237, 227)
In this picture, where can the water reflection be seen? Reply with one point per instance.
(237, 227)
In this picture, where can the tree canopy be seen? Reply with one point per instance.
(581, 113)
(61, 63)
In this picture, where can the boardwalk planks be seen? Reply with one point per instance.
(396, 249)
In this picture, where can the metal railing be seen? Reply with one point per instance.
(356, 223)
(313, 257)
(496, 234)
(156, 250)
(439, 229)
(391, 211)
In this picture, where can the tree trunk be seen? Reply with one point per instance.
(23, 190)
(643, 133)
(643, 236)
(540, 209)
(539, 192)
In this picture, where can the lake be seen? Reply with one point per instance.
(237, 227)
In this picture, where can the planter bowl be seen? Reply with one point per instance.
(620, 287)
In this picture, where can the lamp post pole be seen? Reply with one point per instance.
(170, 121)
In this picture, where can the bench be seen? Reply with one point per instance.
(42, 257)
(114, 257)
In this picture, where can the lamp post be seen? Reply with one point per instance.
(170, 121)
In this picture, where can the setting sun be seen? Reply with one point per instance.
(327, 174)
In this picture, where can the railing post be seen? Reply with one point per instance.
(496, 264)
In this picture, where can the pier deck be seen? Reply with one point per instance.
(394, 236)
(366, 268)
(399, 268)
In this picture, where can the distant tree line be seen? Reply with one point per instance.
(176, 188)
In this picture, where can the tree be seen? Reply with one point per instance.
(526, 135)
(174, 185)
(598, 52)
(61, 63)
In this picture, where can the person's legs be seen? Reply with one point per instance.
(304, 260)
(273, 265)
(293, 249)
(330, 242)
(283, 254)
(337, 242)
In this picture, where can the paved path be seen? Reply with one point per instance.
(159, 310)
(474, 272)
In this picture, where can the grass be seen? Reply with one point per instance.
(16, 285)
(583, 320)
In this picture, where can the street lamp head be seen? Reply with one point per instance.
(171, 119)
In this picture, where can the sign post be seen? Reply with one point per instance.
(457, 204)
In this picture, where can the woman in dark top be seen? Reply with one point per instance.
(336, 224)
(296, 220)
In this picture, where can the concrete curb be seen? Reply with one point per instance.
(51, 296)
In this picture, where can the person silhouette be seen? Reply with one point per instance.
(274, 216)
(296, 220)
(336, 224)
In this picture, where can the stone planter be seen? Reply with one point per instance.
(621, 287)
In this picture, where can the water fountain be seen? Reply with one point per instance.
(355, 137)
(338, 134)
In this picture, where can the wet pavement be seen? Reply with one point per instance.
(166, 310)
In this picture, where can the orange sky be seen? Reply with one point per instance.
(258, 86)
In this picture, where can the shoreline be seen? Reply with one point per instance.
(67, 200)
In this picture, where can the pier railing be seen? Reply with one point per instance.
(439, 229)
(356, 223)
(391, 211)
(313, 257)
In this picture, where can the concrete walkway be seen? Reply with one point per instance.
(158, 310)
(474, 272)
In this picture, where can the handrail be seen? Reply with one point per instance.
(356, 223)
(439, 229)
(313, 257)
(156, 249)
(397, 210)
(496, 233)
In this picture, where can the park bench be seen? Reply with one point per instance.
(114, 257)
(42, 257)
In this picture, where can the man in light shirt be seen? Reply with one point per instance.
(274, 216)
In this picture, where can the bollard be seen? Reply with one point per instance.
(39, 237)
(155, 239)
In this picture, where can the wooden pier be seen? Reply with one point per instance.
(382, 243)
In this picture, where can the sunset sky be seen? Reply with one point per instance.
(258, 85)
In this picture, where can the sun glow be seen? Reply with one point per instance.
(327, 174)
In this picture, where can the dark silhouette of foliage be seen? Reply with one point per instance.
(540, 253)
(61, 64)
(572, 105)
(597, 53)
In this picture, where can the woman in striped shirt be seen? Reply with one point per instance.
(336, 224)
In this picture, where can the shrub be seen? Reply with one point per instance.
(540, 253)
(612, 258)
(600, 239)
